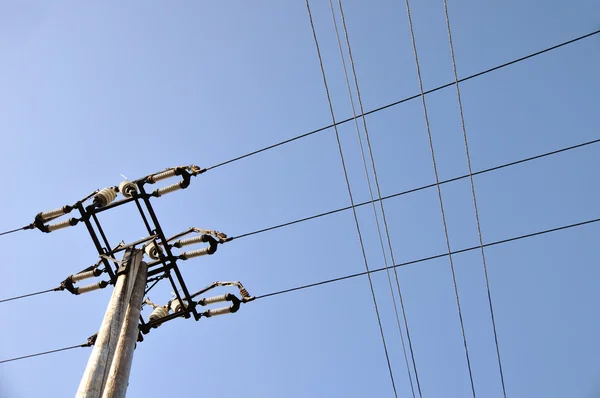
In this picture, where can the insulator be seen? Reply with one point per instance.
(52, 214)
(159, 312)
(153, 251)
(244, 293)
(176, 305)
(104, 197)
(194, 253)
(85, 275)
(168, 189)
(63, 224)
(127, 188)
(189, 241)
(212, 300)
(161, 176)
(90, 288)
(218, 311)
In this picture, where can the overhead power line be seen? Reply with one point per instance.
(45, 353)
(15, 230)
(499, 167)
(462, 177)
(439, 191)
(464, 130)
(371, 195)
(412, 97)
(362, 246)
(350, 276)
(28, 295)
(425, 259)
(423, 187)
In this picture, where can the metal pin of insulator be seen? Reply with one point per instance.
(161, 176)
(212, 300)
(85, 275)
(159, 312)
(194, 253)
(105, 197)
(90, 288)
(127, 188)
(189, 241)
(63, 224)
(168, 189)
(52, 214)
(176, 305)
(153, 251)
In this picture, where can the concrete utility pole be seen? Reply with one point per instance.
(118, 376)
(112, 335)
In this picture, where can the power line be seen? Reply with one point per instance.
(464, 79)
(412, 97)
(28, 295)
(423, 187)
(45, 353)
(364, 120)
(439, 190)
(425, 259)
(464, 130)
(362, 246)
(15, 230)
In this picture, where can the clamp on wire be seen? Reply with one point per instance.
(41, 220)
(90, 272)
(235, 301)
(213, 238)
(186, 173)
(162, 313)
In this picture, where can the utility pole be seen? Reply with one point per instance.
(111, 334)
(108, 368)
(118, 376)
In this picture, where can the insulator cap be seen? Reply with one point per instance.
(105, 197)
(195, 253)
(90, 288)
(176, 305)
(218, 311)
(161, 176)
(189, 241)
(127, 189)
(153, 251)
(63, 224)
(52, 214)
(158, 313)
(212, 300)
(168, 189)
(85, 275)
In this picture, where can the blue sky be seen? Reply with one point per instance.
(93, 90)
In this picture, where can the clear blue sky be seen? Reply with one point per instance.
(89, 91)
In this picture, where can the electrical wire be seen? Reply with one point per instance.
(415, 96)
(464, 130)
(15, 230)
(337, 136)
(379, 196)
(425, 259)
(45, 353)
(423, 187)
(30, 294)
(364, 160)
(324, 282)
(439, 190)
